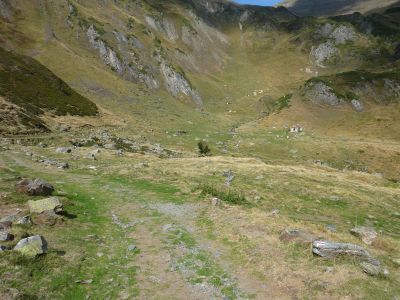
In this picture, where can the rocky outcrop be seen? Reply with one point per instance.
(107, 54)
(164, 26)
(177, 84)
(323, 53)
(343, 34)
(338, 34)
(35, 187)
(126, 68)
(320, 93)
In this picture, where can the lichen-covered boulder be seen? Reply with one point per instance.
(44, 205)
(34, 187)
(32, 246)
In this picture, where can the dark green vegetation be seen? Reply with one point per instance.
(28, 84)
(228, 195)
(204, 149)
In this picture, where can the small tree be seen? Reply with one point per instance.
(204, 150)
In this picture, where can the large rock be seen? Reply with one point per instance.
(367, 234)
(32, 246)
(44, 205)
(297, 236)
(34, 187)
(333, 249)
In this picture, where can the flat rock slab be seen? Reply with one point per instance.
(34, 187)
(32, 246)
(48, 204)
(333, 249)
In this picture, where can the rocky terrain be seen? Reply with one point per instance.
(199, 150)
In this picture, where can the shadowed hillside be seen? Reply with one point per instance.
(337, 7)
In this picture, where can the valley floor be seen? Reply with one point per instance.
(139, 227)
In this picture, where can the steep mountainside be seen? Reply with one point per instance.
(29, 90)
(337, 7)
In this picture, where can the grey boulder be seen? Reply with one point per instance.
(34, 187)
(333, 249)
(32, 246)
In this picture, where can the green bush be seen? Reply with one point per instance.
(204, 150)
(229, 196)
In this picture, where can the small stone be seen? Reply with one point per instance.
(132, 247)
(331, 227)
(35, 187)
(64, 150)
(49, 204)
(328, 270)
(216, 202)
(334, 198)
(297, 236)
(32, 246)
(5, 225)
(357, 105)
(25, 220)
(5, 236)
(274, 212)
(109, 146)
(86, 281)
(3, 248)
(367, 234)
